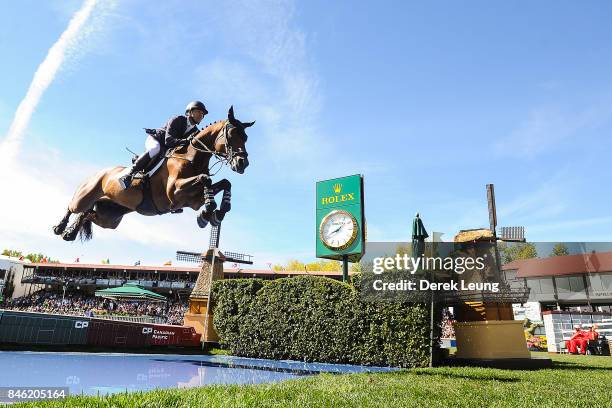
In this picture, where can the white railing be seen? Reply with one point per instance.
(134, 319)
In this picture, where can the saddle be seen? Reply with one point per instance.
(143, 178)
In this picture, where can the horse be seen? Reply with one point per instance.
(182, 180)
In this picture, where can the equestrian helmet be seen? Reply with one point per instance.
(195, 105)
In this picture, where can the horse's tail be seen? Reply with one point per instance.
(86, 231)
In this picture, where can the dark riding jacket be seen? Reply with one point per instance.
(175, 131)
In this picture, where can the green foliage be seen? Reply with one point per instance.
(39, 257)
(559, 250)
(311, 318)
(523, 250)
(32, 257)
(324, 265)
(356, 267)
(9, 286)
(320, 265)
(12, 253)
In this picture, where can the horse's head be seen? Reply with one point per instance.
(233, 141)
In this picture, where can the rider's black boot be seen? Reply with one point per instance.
(139, 165)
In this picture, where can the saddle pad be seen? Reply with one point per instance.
(151, 172)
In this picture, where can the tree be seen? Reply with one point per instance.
(12, 253)
(39, 257)
(523, 250)
(32, 256)
(325, 266)
(322, 265)
(292, 265)
(9, 285)
(559, 250)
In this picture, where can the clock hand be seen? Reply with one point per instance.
(336, 230)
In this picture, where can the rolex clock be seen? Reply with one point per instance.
(340, 220)
(338, 230)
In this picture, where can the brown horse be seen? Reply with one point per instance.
(183, 180)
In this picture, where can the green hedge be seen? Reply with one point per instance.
(311, 318)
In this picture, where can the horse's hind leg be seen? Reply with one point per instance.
(59, 228)
(87, 194)
(82, 204)
(71, 233)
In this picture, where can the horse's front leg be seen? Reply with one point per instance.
(217, 216)
(226, 200)
(209, 214)
(188, 192)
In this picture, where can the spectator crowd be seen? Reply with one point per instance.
(84, 305)
(448, 332)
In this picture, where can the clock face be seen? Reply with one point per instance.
(338, 230)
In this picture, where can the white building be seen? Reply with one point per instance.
(17, 266)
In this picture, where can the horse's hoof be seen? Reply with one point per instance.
(210, 207)
(225, 207)
(58, 229)
(69, 236)
(202, 223)
(216, 218)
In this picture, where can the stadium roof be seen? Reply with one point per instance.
(240, 271)
(598, 262)
(115, 267)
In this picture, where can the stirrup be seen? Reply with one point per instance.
(125, 181)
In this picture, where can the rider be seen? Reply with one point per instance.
(178, 131)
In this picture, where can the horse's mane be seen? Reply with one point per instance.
(213, 127)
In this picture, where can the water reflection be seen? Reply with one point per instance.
(93, 374)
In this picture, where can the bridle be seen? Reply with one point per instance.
(230, 153)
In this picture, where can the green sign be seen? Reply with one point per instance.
(340, 228)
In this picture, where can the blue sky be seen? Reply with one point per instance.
(429, 101)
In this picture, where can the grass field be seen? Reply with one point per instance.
(574, 381)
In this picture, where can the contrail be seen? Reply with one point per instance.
(42, 79)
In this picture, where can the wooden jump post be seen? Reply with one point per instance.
(199, 316)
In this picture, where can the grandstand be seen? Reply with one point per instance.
(69, 289)
(174, 281)
(78, 304)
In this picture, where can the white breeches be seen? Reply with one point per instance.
(152, 146)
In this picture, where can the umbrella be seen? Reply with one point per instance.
(418, 236)
(130, 291)
(418, 249)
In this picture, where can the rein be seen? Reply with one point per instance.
(222, 158)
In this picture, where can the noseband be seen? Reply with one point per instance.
(230, 153)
